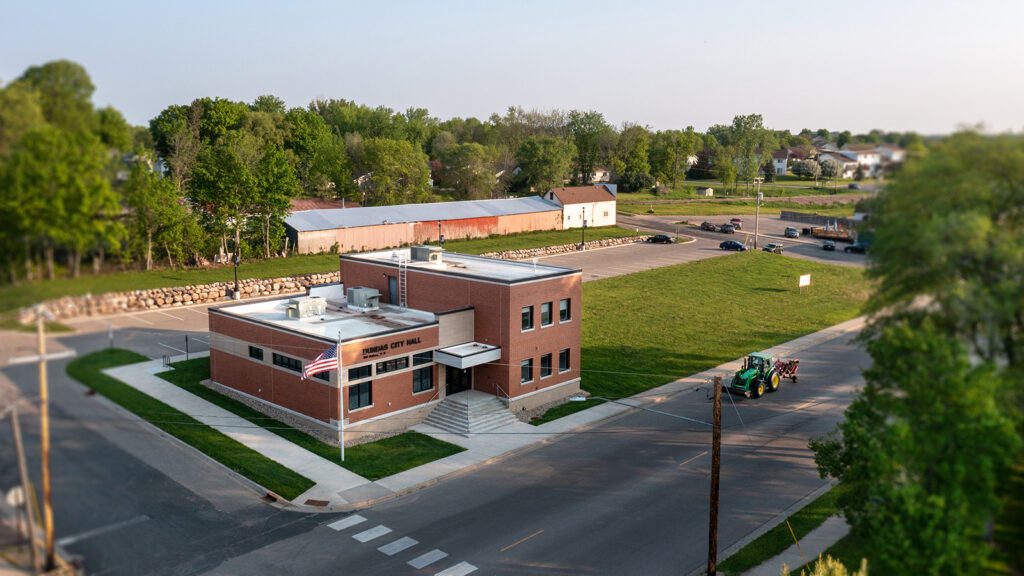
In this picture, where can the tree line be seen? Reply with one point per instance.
(215, 177)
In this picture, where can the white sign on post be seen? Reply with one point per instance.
(805, 280)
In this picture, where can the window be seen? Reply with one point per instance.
(563, 360)
(255, 352)
(423, 379)
(359, 373)
(526, 371)
(605, 213)
(360, 396)
(545, 366)
(527, 318)
(325, 376)
(392, 365)
(545, 314)
(422, 358)
(564, 313)
(293, 364)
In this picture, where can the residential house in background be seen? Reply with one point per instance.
(595, 204)
(866, 155)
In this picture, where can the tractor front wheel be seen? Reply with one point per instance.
(773, 381)
(757, 388)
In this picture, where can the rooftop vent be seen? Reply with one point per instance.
(303, 308)
(430, 254)
(363, 298)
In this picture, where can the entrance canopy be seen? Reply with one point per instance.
(467, 355)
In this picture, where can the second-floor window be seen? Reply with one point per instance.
(527, 318)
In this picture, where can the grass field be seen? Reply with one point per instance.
(373, 460)
(719, 207)
(680, 320)
(769, 191)
(234, 455)
(534, 240)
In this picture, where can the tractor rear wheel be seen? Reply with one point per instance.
(773, 381)
(757, 388)
(794, 378)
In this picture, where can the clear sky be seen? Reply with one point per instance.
(929, 66)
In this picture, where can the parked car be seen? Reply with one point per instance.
(708, 226)
(774, 248)
(732, 245)
(792, 232)
(829, 245)
(727, 228)
(660, 239)
(856, 248)
(853, 186)
(737, 223)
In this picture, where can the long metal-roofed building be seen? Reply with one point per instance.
(377, 227)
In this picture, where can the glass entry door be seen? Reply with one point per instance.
(457, 380)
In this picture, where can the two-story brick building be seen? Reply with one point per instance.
(416, 325)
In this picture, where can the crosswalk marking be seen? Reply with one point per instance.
(460, 569)
(347, 522)
(375, 532)
(427, 559)
(397, 546)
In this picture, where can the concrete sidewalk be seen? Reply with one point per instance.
(344, 490)
(812, 544)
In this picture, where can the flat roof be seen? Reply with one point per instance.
(468, 265)
(353, 323)
(330, 219)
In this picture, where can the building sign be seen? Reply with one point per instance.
(805, 280)
(378, 350)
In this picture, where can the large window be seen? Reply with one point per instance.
(360, 372)
(360, 395)
(527, 318)
(423, 379)
(421, 358)
(545, 314)
(255, 352)
(526, 371)
(293, 364)
(564, 313)
(545, 366)
(325, 376)
(563, 360)
(392, 365)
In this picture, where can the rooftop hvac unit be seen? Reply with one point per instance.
(364, 298)
(430, 254)
(309, 307)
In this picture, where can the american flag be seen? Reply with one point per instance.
(325, 362)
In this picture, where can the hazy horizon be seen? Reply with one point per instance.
(926, 67)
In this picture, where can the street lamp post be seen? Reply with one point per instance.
(237, 295)
(583, 231)
(757, 208)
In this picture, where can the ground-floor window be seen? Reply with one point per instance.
(423, 379)
(255, 352)
(563, 360)
(526, 371)
(360, 395)
(545, 366)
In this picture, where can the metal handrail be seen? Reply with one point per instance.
(508, 398)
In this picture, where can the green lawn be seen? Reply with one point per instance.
(778, 538)
(768, 190)
(534, 239)
(680, 320)
(372, 461)
(221, 448)
(563, 410)
(719, 207)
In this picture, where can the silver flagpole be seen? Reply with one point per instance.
(341, 404)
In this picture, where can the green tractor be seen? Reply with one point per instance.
(758, 375)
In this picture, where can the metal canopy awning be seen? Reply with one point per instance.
(467, 355)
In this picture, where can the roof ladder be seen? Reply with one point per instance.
(403, 286)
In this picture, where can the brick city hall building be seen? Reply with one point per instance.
(417, 326)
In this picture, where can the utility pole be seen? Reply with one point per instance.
(716, 460)
(757, 209)
(44, 420)
(583, 231)
(23, 471)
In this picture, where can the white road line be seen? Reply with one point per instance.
(397, 546)
(460, 569)
(143, 320)
(170, 347)
(69, 540)
(427, 559)
(203, 313)
(51, 356)
(170, 316)
(346, 522)
(207, 342)
(375, 532)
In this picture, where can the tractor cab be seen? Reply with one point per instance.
(758, 361)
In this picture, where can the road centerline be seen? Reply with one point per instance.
(692, 459)
(521, 541)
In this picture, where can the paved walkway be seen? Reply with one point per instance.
(812, 544)
(344, 490)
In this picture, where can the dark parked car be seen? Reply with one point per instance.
(708, 226)
(660, 239)
(773, 248)
(737, 223)
(856, 248)
(792, 232)
(727, 228)
(853, 186)
(732, 245)
(828, 245)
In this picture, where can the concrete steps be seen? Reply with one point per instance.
(470, 412)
